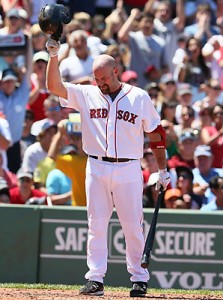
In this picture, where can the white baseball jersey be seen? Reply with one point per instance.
(113, 128)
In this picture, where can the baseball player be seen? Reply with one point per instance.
(114, 118)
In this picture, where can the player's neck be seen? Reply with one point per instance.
(115, 93)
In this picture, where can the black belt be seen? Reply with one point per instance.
(111, 159)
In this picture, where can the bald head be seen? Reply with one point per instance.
(106, 73)
(104, 61)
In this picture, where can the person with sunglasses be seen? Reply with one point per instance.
(25, 189)
(53, 113)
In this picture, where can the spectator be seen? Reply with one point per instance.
(153, 90)
(7, 5)
(130, 77)
(94, 43)
(173, 199)
(150, 193)
(115, 52)
(36, 6)
(72, 165)
(216, 186)
(53, 112)
(202, 29)
(187, 118)
(213, 135)
(5, 140)
(113, 24)
(58, 185)
(185, 97)
(179, 54)
(194, 70)
(8, 176)
(12, 25)
(25, 190)
(213, 54)
(77, 67)
(38, 151)
(38, 92)
(203, 172)
(39, 38)
(168, 111)
(186, 147)
(148, 165)
(171, 138)
(203, 119)
(168, 88)
(4, 192)
(212, 90)
(184, 183)
(27, 138)
(13, 101)
(169, 28)
(146, 48)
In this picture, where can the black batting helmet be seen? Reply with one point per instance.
(51, 17)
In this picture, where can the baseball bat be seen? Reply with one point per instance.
(151, 235)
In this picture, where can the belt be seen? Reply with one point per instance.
(111, 159)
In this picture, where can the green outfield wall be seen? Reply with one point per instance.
(48, 245)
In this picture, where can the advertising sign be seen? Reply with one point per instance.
(187, 251)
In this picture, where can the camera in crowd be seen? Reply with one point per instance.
(73, 126)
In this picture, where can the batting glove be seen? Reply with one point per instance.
(53, 47)
(163, 179)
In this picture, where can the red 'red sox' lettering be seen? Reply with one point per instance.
(126, 116)
(98, 113)
(121, 114)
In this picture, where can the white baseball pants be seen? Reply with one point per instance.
(118, 185)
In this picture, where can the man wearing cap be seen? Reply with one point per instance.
(13, 101)
(25, 190)
(38, 151)
(184, 95)
(203, 172)
(186, 146)
(13, 26)
(130, 77)
(39, 92)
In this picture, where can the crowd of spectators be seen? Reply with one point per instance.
(172, 49)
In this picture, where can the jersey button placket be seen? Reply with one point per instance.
(111, 132)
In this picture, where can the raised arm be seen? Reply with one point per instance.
(126, 27)
(53, 78)
(180, 15)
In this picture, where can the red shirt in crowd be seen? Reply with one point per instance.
(15, 196)
(177, 160)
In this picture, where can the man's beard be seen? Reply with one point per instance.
(105, 90)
